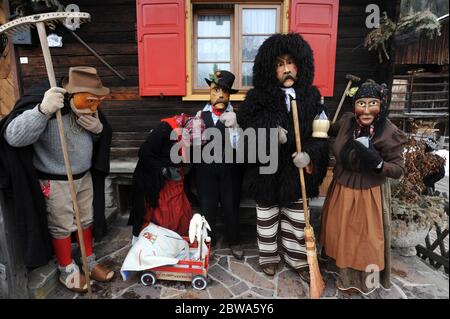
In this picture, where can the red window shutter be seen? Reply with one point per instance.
(316, 21)
(161, 47)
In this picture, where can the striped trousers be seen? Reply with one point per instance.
(285, 222)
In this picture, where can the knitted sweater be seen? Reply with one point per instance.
(33, 127)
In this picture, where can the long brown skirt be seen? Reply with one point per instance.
(352, 227)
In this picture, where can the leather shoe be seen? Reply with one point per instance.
(237, 252)
(269, 270)
(101, 273)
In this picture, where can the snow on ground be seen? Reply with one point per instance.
(444, 153)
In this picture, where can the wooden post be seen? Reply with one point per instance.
(13, 272)
(410, 96)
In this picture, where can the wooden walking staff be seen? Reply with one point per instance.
(40, 20)
(316, 285)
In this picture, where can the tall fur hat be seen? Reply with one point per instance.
(264, 69)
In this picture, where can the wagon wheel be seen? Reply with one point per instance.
(148, 278)
(199, 282)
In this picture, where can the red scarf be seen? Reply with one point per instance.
(217, 111)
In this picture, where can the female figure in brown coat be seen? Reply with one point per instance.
(355, 223)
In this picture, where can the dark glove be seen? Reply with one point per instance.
(369, 158)
(171, 173)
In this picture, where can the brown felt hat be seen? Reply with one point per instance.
(84, 79)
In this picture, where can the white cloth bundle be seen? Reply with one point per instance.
(156, 246)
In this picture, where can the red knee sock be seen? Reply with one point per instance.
(87, 236)
(63, 251)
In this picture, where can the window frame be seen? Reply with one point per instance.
(196, 94)
(240, 34)
(195, 88)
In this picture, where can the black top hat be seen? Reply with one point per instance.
(224, 79)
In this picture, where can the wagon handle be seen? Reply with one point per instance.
(200, 246)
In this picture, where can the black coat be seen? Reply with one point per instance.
(19, 182)
(148, 179)
(262, 110)
(265, 107)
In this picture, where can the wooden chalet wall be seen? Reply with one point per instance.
(9, 90)
(112, 32)
(426, 51)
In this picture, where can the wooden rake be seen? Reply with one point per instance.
(351, 79)
(40, 20)
(316, 285)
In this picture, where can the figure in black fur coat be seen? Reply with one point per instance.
(284, 65)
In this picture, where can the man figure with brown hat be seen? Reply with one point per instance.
(32, 127)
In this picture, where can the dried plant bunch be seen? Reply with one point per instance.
(418, 164)
(408, 203)
(424, 22)
(422, 214)
(378, 38)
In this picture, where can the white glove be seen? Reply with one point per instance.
(229, 119)
(282, 135)
(196, 229)
(90, 123)
(301, 160)
(53, 100)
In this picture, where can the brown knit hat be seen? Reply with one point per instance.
(84, 79)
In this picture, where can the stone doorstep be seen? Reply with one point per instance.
(43, 280)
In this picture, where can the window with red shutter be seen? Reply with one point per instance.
(161, 47)
(316, 21)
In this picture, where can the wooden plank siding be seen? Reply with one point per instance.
(426, 51)
(9, 90)
(112, 33)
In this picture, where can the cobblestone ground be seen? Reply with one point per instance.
(412, 278)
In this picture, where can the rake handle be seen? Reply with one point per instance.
(51, 77)
(300, 170)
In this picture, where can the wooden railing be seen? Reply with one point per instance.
(436, 246)
(423, 98)
(420, 92)
(439, 258)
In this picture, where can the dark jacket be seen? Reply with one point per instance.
(388, 140)
(265, 107)
(24, 198)
(148, 179)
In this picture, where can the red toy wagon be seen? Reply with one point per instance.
(185, 270)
